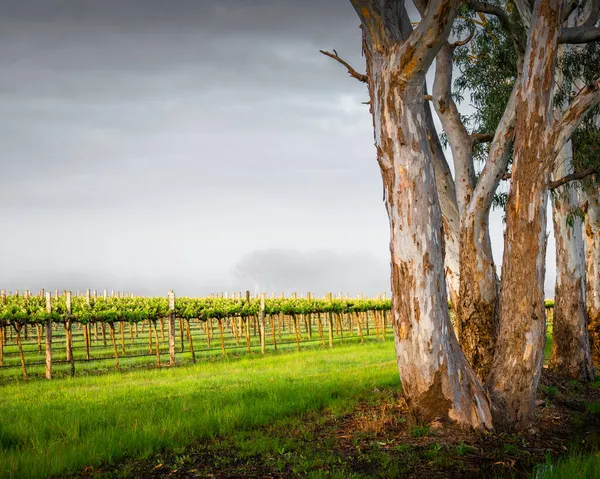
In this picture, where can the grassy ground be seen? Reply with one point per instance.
(318, 413)
(64, 426)
(376, 438)
(137, 349)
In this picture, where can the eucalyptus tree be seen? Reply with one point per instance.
(489, 66)
(571, 355)
(435, 374)
(476, 318)
(539, 137)
(436, 377)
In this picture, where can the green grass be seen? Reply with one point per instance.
(579, 466)
(62, 426)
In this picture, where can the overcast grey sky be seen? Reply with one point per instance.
(200, 145)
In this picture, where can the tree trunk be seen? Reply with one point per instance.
(436, 377)
(592, 240)
(477, 320)
(516, 370)
(450, 217)
(570, 341)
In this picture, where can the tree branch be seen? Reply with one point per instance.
(353, 73)
(458, 136)
(587, 98)
(578, 35)
(580, 175)
(570, 9)
(498, 157)
(587, 31)
(461, 43)
(525, 8)
(504, 20)
(482, 137)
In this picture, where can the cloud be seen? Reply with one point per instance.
(317, 271)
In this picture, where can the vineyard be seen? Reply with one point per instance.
(57, 335)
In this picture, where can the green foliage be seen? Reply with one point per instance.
(33, 309)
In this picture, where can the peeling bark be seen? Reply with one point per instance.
(476, 318)
(516, 370)
(477, 325)
(450, 217)
(570, 342)
(436, 377)
(592, 247)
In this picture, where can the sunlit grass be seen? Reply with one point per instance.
(61, 426)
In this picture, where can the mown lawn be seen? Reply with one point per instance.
(62, 426)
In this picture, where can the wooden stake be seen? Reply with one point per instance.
(190, 339)
(38, 328)
(111, 325)
(2, 334)
(70, 355)
(220, 321)
(48, 337)
(17, 327)
(262, 324)
(320, 325)
(181, 333)
(157, 345)
(150, 339)
(171, 329)
(247, 327)
(296, 330)
(330, 319)
(359, 326)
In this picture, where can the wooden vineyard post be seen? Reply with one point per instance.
(234, 326)
(359, 326)
(95, 322)
(49, 337)
(247, 330)
(122, 330)
(191, 340)
(69, 325)
(181, 333)
(150, 339)
(247, 324)
(38, 328)
(26, 297)
(171, 328)
(2, 330)
(86, 330)
(111, 325)
(262, 322)
(310, 317)
(221, 336)
(207, 333)
(320, 326)
(157, 344)
(103, 328)
(273, 333)
(340, 317)
(18, 327)
(296, 330)
(330, 320)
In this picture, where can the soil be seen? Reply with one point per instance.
(378, 439)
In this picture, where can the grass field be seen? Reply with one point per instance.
(62, 426)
